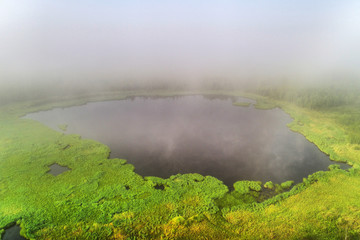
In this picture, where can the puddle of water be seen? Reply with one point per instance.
(56, 169)
(13, 233)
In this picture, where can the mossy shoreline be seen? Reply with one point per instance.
(103, 198)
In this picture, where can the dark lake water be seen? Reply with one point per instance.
(194, 134)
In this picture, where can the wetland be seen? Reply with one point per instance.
(194, 134)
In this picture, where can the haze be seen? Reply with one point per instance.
(98, 43)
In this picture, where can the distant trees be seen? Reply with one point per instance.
(345, 100)
(350, 118)
(313, 98)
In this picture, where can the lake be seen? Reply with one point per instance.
(194, 134)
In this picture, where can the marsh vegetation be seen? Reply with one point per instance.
(107, 199)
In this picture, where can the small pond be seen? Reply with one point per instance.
(56, 169)
(194, 134)
(13, 233)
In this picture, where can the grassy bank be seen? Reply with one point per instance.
(101, 198)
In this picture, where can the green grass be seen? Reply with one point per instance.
(265, 104)
(242, 104)
(101, 198)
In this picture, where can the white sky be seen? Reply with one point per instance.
(189, 40)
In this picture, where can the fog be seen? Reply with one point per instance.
(98, 44)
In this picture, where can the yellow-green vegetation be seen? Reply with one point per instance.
(101, 198)
(265, 104)
(242, 104)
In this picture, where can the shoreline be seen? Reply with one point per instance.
(15, 112)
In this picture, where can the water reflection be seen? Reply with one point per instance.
(166, 136)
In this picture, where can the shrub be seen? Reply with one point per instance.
(287, 184)
(333, 167)
(244, 187)
(269, 185)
